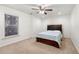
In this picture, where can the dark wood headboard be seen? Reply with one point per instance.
(54, 27)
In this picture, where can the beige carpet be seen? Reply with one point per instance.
(30, 46)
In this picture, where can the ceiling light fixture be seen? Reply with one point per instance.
(41, 12)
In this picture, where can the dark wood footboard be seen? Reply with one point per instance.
(47, 41)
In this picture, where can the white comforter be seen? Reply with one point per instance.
(51, 35)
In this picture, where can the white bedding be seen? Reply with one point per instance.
(51, 35)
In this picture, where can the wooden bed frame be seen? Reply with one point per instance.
(47, 41)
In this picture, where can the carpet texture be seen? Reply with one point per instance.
(30, 46)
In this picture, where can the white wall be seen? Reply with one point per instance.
(25, 25)
(64, 20)
(75, 27)
(36, 25)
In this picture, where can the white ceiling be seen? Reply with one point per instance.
(58, 9)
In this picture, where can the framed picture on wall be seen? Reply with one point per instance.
(11, 25)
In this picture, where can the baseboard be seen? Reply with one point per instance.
(75, 45)
(11, 41)
(77, 49)
(65, 38)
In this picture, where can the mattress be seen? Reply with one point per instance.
(54, 35)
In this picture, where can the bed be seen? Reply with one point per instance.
(53, 36)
